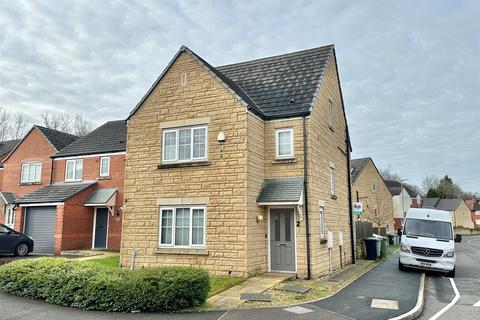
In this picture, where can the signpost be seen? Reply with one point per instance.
(357, 208)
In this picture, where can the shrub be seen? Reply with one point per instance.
(87, 286)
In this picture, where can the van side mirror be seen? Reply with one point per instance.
(458, 238)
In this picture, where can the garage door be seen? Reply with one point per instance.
(40, 226)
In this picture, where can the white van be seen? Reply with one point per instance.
(428, 241)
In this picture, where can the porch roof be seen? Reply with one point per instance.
(8, 197)
(58, 192)
(281, 191)
(101, 197)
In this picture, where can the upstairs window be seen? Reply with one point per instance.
(185, 144)
(330, 113)
(104, 166)
(74, 170)
(31, 172)
(332, 180)
(284, 143)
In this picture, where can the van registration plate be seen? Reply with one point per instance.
(425, 264)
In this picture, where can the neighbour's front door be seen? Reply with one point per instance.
(282, 240)
(101, 227)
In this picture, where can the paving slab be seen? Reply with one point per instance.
(256, 297)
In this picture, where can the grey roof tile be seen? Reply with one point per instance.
(58, 192)
(357, 166)
(281, 190)
(442, 204)
(7, 146)
(57, 138)
(9, 197)
(110, 137)
(395, 187)
(430, 202)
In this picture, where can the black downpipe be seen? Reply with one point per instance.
(51, 172)
(350, 210)
(305, 194)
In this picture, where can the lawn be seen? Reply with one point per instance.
(391, 249)
(217, 283)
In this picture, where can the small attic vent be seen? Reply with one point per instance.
(183, 79)
(292, 101)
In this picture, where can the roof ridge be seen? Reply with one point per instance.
(47, 128)
(293, 53)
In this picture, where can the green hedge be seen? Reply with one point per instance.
(75, 284)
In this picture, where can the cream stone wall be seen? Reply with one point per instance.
(223, 181)
(381, 199)
(463, 217)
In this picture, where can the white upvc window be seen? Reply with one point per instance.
(284, 143)
(322, 223)
(31, 172)
(374, 186)
(185, 144)
(104, 166)
(332, 180)
(9, 217)
(74, 170)
(330, 113)
(182, 226)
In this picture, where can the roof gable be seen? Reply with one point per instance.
(109, 137)
(275, 87)
(357, 166)
(442, 204)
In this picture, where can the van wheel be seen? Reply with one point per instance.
(21, 250)
(451, 274)
(401, 266)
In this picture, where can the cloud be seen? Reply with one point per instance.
(409, 69)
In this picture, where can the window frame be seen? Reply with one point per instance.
(190, 232)
(183, 79)
(177, 145)
(108, 167)
(330, 113)
(374, 186)
(322, 222)
(9, 215)
(74, 170)
(277, 149)
(332, 181)
(30, 164)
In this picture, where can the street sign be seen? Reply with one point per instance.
(357, 208)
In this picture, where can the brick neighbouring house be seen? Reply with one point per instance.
(5, 148)
(31, 155)
(402, 196)
(239, 197)
(369, 188)
(81, 208)
(474, 206)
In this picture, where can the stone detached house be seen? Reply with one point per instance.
(459, 211)
(242, 168)
(403, 198)
(79, 206)
(28, 167)
(370, 190)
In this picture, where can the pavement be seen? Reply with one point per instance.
(353, 302)
(439, 290)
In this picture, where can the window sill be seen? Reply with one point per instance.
(183, 164)
(104, 178)
(286, 160)
(334, 197)
(183, 251)
(30, 183)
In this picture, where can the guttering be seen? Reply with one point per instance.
(350, 210)
(305, 190)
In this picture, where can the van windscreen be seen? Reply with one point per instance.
(428, 228)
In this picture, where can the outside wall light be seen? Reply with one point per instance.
(259, 217)
(221, 136)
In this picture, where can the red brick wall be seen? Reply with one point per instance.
(91, 171)
(398, 223)
(33, 148)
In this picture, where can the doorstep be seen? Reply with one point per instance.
(230, 299)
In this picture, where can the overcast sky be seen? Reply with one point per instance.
(410, 70)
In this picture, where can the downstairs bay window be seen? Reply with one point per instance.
(182, 227)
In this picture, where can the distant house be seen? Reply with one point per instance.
(81, 205)
(369, 189)
(474, 206)
(5, 148)
(403, 198)
(461, 214)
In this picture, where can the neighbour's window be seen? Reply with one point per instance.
(332, 180)
(375, 212)
(104, 166)
(322, 223)
(74, 170)
(10, 217)
(31, 172)
(182, 226)
(374, 186)
(284, 143)
(183, 79)
(185, 144)
(330, 113)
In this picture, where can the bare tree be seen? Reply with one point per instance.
(81, 126)
(387, 174)
(430, 182)
(18, 126)
(379, 212)
(4, 124)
